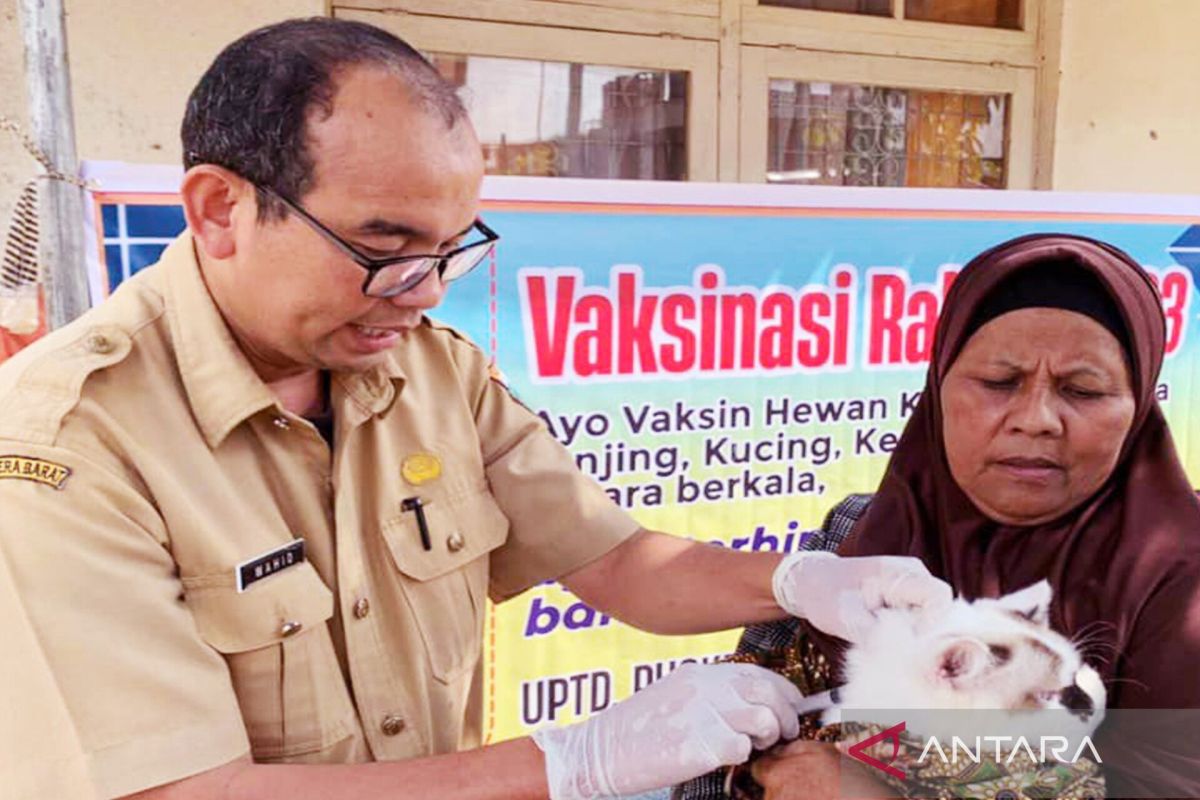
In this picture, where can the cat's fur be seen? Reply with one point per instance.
(988, 654)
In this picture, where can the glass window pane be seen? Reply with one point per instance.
(554, 118)
(879, 8)
(160, 221)
(987, 13)
(849, 135)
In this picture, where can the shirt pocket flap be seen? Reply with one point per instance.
(461, 529)
(287, 603)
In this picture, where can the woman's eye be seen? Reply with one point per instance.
(998, 384)
(1082, 393)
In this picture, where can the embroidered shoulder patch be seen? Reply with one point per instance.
(497, 377)
(34, 469)
(495, 374)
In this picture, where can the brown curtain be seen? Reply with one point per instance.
(944, 144)
(877, 7)
(986, 13)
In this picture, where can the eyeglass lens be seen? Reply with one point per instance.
(397, 278)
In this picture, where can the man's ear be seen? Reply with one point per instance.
(211, 196)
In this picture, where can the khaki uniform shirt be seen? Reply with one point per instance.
(40, 756)
(142, 461)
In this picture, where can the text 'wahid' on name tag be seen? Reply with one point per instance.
(255, 569)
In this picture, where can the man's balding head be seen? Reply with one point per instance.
(251, 109)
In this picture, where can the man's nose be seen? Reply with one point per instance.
(425, 295)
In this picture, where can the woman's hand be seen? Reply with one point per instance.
(805, 770)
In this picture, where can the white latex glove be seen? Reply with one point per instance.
(841, 595)
(694, 720)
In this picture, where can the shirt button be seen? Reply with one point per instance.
(282, 423)
(290, 628)
(455, 542)
(362, 608)
(99, 343)
(392, 725)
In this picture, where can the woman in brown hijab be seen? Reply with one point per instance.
(1038, 450)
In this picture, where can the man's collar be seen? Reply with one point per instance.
(371, 392)
(222, 387)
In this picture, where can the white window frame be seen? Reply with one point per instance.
(772, 26)
(760, 65)
(730, 47)
(541, 42)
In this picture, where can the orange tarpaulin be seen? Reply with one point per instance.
(10, 342)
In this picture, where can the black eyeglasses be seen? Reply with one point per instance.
(388, 277)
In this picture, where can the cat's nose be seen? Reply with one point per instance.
(1077, 701)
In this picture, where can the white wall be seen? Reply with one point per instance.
(132, 64)
(1129, 98)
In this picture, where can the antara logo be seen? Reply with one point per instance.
(892, 734)
(1006, 748)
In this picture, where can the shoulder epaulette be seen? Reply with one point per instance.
(44, 383)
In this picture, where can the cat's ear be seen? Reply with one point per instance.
(962, 658)
(1032, 602)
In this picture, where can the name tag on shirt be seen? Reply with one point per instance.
(255, 569)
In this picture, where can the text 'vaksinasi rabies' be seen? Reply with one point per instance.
(576, 332)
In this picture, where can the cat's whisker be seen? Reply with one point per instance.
(1098, 623)
(1091, 637)
(1101, 647)
(1127, 680)
(1090, 646)
(1111, 646)
(1101, 652)
(1093, 628)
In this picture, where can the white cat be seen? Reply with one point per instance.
(998, 655)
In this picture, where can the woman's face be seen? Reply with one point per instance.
(1035, 410)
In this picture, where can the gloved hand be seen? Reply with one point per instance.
(694, 720)
(841, 595)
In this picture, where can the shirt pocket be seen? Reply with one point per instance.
(276, 643)
(446, 586)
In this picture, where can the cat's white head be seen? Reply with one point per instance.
(988, 654)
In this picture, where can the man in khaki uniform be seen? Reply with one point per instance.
(255, 502)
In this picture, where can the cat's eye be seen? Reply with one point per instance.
(1001, 654)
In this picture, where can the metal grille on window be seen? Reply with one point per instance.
(852, 135)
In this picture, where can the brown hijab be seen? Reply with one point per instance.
(1124, 565)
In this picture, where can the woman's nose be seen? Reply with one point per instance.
(1036, 412)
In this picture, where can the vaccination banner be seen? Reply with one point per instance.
(728, 361)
